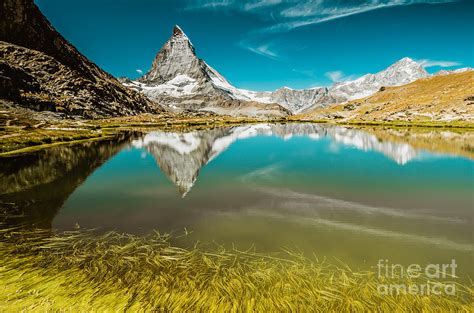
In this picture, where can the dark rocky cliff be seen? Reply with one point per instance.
(41, 70)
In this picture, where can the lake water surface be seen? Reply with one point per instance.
(329, 191)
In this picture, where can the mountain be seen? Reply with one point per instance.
(296, 100)
(41, 70)
(182, 81)
(444, 98)
(459, 70)
(402, 72)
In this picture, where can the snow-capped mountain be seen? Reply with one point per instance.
(402, 72)
(182, 81)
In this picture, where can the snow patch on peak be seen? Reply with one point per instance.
(181, 80)
(181, 85)
(405, 60)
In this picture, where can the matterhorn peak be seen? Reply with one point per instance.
(176, 57)
(177, 31)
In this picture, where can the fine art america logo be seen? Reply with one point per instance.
(407, 276)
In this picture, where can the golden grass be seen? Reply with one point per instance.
(446, 99)
(78, 271)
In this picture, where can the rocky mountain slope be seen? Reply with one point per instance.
(182, 81)
(41, 70)
(443, 98)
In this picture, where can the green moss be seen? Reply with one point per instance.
(27, 147)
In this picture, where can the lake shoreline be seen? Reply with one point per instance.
(25, 138)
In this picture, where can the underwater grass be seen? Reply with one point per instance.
(80, 271)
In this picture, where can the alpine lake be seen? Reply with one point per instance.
(354, 195)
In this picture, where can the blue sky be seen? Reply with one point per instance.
(266, 44)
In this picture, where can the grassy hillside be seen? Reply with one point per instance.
(445, 98)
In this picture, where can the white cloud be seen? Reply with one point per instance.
(334, 76)
(319, 11)
(290, 14)
(432, 63)
(233, 4)
(339, 76)
(331, 14)
(260, 4)
(209, 4)
(263, 50)
(139, 71)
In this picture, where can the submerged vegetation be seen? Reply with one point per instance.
(82, 271)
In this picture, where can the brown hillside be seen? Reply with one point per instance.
(41, 70)
(437, 98)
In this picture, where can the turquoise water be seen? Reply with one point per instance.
(332, 192)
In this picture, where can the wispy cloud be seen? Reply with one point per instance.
(432, 63)
(290, 14)
(307, 73)
(139, 71)
(232, 4)
(265, 49)
(334, 76)
(319, 11)
(260, 4)
(338, 76)
(279, 16)
(209, 4)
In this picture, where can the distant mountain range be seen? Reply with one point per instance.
(181, 80)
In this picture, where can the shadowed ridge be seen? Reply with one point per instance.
(54, 75)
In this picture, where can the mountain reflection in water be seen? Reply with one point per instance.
(181, 155)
